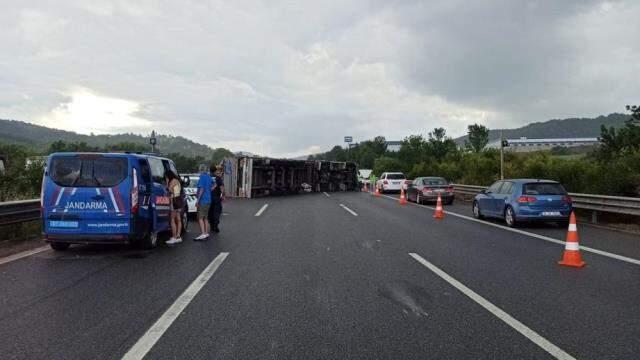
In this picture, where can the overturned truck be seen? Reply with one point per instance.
(257, 176)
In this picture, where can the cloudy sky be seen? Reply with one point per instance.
(286, 78)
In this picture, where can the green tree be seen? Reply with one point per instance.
(478, 137)
(439, 144)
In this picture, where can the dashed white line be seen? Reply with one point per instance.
(534, 235)
(23, 254)
(262, 209)
(151, 337)
(499, 313)
(326, 194)
(349, 210)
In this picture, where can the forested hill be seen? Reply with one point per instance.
(40, 137)
(560, 128)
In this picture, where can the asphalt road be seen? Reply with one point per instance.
(318, 277)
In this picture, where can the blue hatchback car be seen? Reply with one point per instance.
(93, 198)
(524, 200)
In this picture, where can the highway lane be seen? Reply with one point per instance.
(308, 279)
(94, 302)
(322, 284)
(617, 242)
(590, 312)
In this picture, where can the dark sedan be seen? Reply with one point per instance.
(427, 189)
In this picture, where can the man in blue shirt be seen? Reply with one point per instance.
(217, 197)
(204, 202)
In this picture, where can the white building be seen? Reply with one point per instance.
(523, 144)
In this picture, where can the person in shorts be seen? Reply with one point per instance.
(177, 206)
(203, 202)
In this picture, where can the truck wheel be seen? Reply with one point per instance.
(57, 246)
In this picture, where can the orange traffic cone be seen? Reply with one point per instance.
(571, 255)
(403, 199)
(439, 214)
(377, 193)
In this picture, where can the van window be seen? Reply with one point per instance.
(157, 170)
(81, 171)
(145, 171)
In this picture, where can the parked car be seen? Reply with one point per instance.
(523, 200)
(116, 198)
(427, 189)
(190, 184)
(391, 181)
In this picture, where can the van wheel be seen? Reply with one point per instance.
(59, 246)
(150, 241)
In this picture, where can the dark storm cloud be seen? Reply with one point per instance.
(288, 78)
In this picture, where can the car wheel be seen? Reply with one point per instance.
(510, 217)
(59, 246)
(476, 211)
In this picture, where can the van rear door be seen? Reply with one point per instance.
(91, 195)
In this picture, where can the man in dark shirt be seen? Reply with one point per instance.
(217, 196)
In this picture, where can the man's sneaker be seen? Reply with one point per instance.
(178, 240)
(172, 241)
(200, 237)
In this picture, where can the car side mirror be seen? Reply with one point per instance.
(485, 192)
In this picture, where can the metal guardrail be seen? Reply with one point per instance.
(13, 212)
(603, 203)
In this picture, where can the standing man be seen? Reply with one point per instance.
(204, 202)
(217, 197)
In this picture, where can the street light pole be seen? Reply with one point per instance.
(501, 156)
(153, 141)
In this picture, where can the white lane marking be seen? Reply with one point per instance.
(534, 235)
(262, 209)
(349, 210)
(533, 336)
(113, 200)
(327, 195)
(151, 337)
(23, 254)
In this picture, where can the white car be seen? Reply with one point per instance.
(190, 183)
(391, 181)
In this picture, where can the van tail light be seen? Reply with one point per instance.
(407, 182)
(134, 192)
(385, 182)
(450, 188)
(526, 199)
(567, 199)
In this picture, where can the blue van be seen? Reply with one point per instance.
(112, 198)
